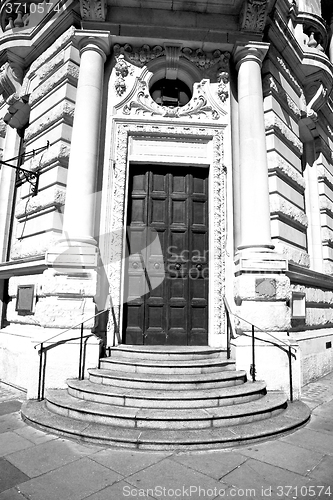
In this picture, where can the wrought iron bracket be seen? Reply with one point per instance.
(23, 175)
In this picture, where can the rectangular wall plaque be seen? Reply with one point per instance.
(25, 298)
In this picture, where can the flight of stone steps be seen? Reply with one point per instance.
(166, 398)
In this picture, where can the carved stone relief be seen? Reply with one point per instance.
(116, 208)
(93, 10)
(206, 62)
(253, 16)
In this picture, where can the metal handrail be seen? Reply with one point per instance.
(288, 351)
(82, 358)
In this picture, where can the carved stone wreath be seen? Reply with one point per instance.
(116, 210)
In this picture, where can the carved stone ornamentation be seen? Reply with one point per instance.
(122, 69)
(10, 80)
(141, 56)
(199, 107)
(222, 90)
(253, 16)
(93, 10)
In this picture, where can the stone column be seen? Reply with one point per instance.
(79, 214)
(254, 193)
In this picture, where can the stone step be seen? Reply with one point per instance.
(59, 401)
(169, 366)
(167, 353)
(167, 382)
(199, 398)
(295, 415)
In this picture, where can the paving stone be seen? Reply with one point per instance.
(11, 442)
(11, 422)
(127, 462)
(215, 465)
(48, 456)
(167, 476)
(9, 475)
(12, 494)
(73, 481)
(311, 440)
(324, 471)
(10, 407)
(34, 435)
(284, 455)
(264, 479)
(321, 424)
(120, 490)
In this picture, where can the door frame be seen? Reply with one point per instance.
(144, 144)
(169, 169)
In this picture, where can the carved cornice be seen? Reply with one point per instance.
(140, 56)
(93, 10)
(253, 16)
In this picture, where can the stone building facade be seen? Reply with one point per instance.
(168, 155)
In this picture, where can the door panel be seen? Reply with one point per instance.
(166, 269)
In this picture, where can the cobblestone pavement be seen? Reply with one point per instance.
(40, 466)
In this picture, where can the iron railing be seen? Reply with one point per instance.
(43, 349)
(231, 333)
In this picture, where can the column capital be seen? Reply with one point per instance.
(251, 51)
(93, 40)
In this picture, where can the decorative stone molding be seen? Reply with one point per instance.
(49, 198)
(55, 154)
(34, 246)
(293, 255)
(3, 128)
(325, 175)
(325, 205)
(274, 122)
(143, 55)
(281, 206)
(122, 69)
(116, 204)
(93, 10)
(253, 16)
(327, 235)
(287, 72)
(69, 71)
(63, 111)
(10, 80)
(277, 162)
(270, 84)
(51, 52)
(200, 107)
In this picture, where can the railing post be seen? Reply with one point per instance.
(40, 372)
(290, 374)
(81, 348)
(253, 366)
(228, 334)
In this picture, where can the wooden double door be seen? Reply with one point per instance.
(166, 265)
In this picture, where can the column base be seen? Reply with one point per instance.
(260, 260)
(70, 256)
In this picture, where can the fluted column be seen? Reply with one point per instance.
(255, 231)
(79, 213)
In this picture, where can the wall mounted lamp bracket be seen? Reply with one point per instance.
(23, 175)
